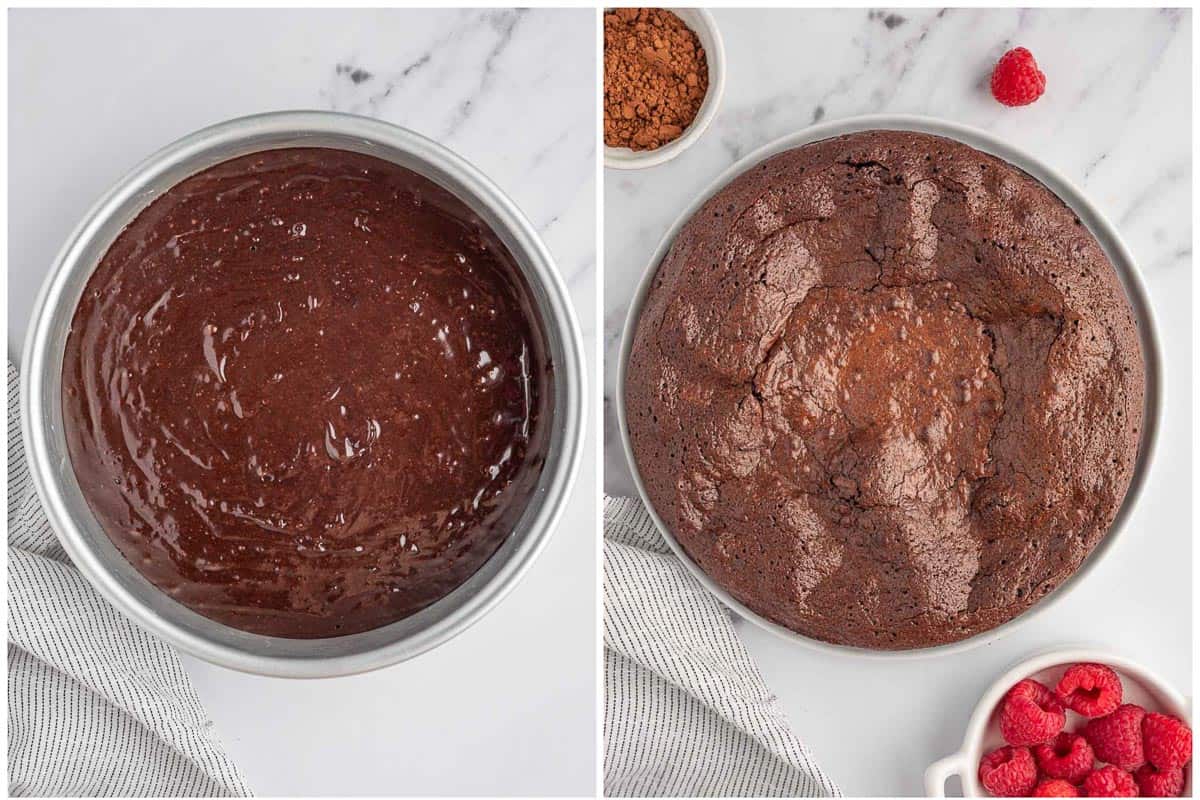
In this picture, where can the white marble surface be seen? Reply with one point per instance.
(509, 706)
(1116, 118)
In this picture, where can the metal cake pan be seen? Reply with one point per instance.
(90, 548)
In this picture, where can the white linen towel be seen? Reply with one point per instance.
(686, 712)
(96, 706)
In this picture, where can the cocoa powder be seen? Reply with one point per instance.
(655, 77)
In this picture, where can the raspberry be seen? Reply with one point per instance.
(1092, 690)
(1117, 738)
(1068, 757)
(1110, 781)
(1055, 787)
(1016, 80)
(1008, 772)
(1167, 741)
(1030, 714)
(1159, 783)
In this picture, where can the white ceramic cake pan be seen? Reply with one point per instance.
(1100, 227)
(983, 731)
(90, 548)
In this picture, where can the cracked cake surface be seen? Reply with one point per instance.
(886, 390)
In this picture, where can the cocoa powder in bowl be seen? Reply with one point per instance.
(655, 77)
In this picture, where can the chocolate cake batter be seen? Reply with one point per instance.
(303, 393)
(886, 390)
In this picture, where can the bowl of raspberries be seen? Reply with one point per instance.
(1076, 723)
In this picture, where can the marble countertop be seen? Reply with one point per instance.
(509, 706)
(1116, 119)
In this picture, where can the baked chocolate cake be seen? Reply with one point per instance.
(886, 389)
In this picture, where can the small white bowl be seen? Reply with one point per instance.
(704, 26)
(1141, 686)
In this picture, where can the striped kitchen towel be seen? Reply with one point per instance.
(686, 712)
(96, 706)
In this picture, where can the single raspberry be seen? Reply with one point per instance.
(1117, 738)
(1068, 757)
(1008, 772)
(1030, 714)
(1092, 690)
(1016, 80)
(1167, 741)
(1110, 781)
(1055, 787)
(1155, 782)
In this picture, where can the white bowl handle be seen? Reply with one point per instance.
(940, 771)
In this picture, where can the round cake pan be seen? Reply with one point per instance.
(1141, 686)
(90, 548)
(1105, 234)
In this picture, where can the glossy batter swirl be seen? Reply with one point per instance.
(304, 392)
(886, 389)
